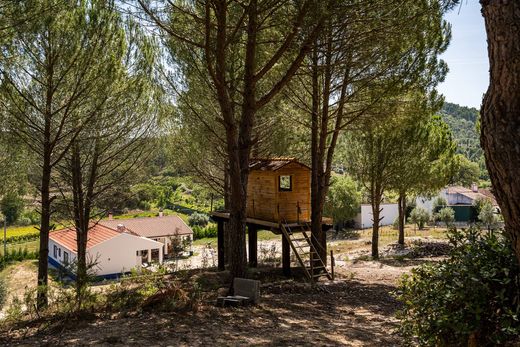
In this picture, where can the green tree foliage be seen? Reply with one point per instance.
(12, 207)
(473, 296)
(487, 215)
(419, 216)
(343, 199)
(438, 203)
(446, 215)
(198, 219)
(466, 172)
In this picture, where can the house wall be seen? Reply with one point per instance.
(59, 258)
(363, 219)
(266, 202)
(119, 254)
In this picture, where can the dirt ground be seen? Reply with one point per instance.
(357, 309)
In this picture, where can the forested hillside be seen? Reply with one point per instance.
(463, 122)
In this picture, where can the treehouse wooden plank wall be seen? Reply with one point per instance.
(279, 190)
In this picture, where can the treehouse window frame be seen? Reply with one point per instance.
(282, 186)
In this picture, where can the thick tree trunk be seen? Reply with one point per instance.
(402, 211)
(500, 113)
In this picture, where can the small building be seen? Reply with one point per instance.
(279, 190)
(113, 252)
(364, 219)
(460, 199)
(162, 229)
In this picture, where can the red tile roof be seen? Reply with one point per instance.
(97, 234)
(152, 226)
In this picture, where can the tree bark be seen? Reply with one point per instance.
(376, 211)
(43, 266)
(500, 113)
(402, 211)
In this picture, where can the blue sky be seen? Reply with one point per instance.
(466, 56)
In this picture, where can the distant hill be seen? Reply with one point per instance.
(462, 120)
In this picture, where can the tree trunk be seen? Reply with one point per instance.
(42, 299)
(402, 212)
(500, 113)
(376, 210)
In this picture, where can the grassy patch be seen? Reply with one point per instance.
(152, 213)
(31, 246)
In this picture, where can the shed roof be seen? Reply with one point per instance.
(96, 234)
(152, 226)
(467, 192)
(272, 164)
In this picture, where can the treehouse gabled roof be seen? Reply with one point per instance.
(273, 164)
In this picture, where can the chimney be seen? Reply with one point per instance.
(110, 216)
(474, 187)
(121, 228)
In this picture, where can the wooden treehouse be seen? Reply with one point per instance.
(279, 200)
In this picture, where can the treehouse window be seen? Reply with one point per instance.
(285, 183)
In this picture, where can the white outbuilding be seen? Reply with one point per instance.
(388, 214)
(113, 252)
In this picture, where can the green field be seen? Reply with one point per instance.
(18, 231)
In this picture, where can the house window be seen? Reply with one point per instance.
(59, 252)
(55, 252)
(285, 183)
(65, 257)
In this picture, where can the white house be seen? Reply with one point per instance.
(161, 229)
(457, 196)
(364, 218)
(114, 252)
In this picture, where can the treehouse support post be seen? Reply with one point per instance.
(252, 232)
(220, 245)
(286, 257)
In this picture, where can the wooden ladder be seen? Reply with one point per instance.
(302, 245)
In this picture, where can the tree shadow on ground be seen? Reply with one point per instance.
(328, 314)
(405, 262)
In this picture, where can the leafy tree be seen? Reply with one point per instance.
(446, 215)
(343, 199)
(466, 173)
(419, 216)
(500, 110)
(198, 219)
(488, 216)
(12, 207)
(245, 53)
(345, 83)
(57, 73)
(439, 202)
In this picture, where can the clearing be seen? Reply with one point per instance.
(357, 309)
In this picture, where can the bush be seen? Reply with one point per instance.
(3, 293)
(446, 215)
(472, 296)
(419, 216)
(24, 221)
(200, 233)
(198, 219)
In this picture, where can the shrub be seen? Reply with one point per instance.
(200, 233)
(198, 219)
(472, 296)
(24, 221)
(446, 215)
(439, 202)
(419, 216)
(3, 293)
